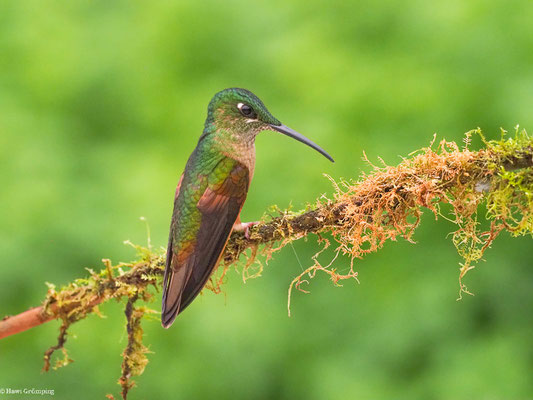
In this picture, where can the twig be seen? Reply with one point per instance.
(361, 217)
(456, 168)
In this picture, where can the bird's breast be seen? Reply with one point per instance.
(243, 153)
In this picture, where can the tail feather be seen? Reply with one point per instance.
(174, 285)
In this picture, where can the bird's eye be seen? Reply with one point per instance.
(246, 110)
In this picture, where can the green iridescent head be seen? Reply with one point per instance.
(238, 114)
(234, 107)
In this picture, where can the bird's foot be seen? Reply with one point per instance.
(245, 226)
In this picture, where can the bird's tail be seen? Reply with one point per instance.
(174, 283)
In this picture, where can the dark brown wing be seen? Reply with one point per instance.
(188, 270)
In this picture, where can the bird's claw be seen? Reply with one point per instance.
(245, 227)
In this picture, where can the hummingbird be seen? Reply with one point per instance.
(211, 192)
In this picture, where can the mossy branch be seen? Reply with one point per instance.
(361, 216)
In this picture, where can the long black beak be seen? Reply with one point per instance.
(301, 138)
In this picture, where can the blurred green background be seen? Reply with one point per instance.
(102, 102)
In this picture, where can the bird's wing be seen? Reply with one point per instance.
(189, 268)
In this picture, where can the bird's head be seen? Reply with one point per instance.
(240, 114)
